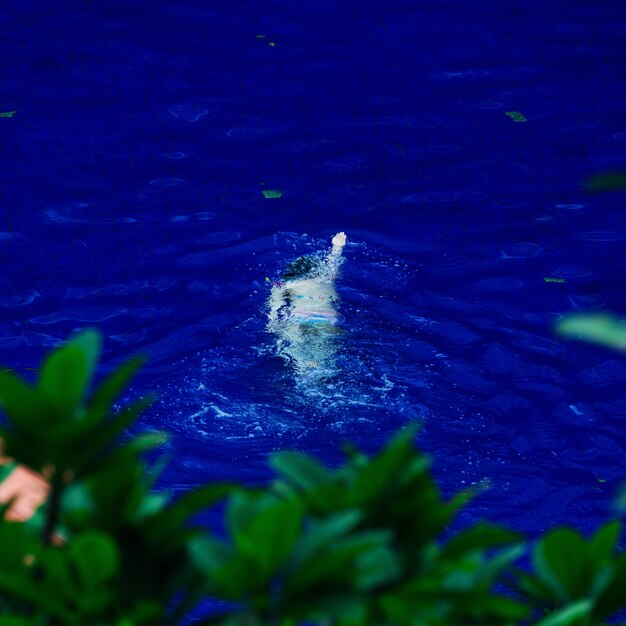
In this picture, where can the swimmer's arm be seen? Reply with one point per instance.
(338, 241)
(333, 260)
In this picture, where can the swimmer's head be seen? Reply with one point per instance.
(302, 267)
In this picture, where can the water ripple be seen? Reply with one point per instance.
(91, 315)
(167, 182)
(443, 196)
(605, 236)
(188, 112)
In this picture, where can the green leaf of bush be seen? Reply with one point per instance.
(377, 566)
(322, 533)
(208, 553)
(162, 528)
(21, 402)
(611, 597)
(89, 341)
(103, 434)
(330, 608)
(265, 530)
(300, 469)
(17, 620)
(480, 537)
(604, 541)
(560, 558)
(66, 374)
(111, 388)
(574, 614)
(96, 558)
(338, 563)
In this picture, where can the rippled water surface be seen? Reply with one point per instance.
(164, 161)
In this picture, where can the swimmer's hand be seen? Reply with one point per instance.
(339, 239)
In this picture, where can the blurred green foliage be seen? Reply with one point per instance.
(598, 328)
(368, 543)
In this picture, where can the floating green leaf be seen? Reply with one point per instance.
(272, 193)
(516, 116)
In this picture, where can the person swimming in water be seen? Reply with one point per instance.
(302, 310)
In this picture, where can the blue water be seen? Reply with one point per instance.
(132, 178)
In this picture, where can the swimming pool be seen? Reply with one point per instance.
(162, 164)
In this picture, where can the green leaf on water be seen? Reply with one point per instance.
(272, 193)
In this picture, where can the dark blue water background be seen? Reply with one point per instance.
(132, 179)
